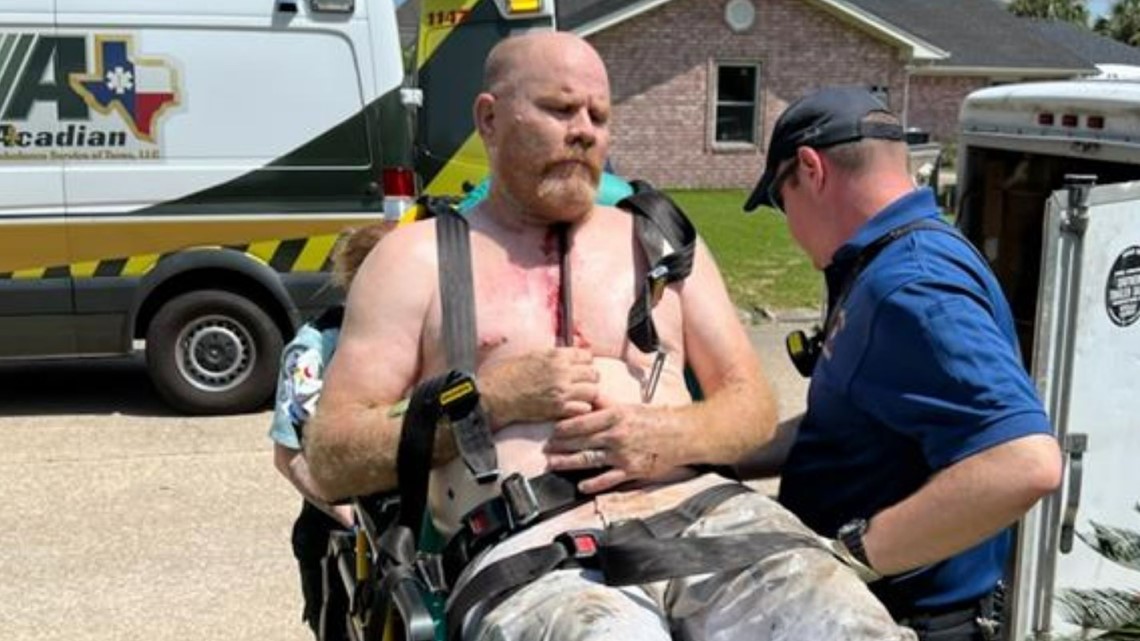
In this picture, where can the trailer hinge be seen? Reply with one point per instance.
(1076, 217)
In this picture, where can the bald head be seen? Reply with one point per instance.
(514, 59)
(543, 118)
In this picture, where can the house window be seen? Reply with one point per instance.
(882, 93)
(736, 102)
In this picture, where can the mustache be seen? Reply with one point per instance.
(592, 166)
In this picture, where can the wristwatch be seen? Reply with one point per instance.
(850, 534)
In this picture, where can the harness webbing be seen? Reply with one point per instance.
(456, 289)
(633, 552)
(565, 300)
(472, 432)
(669, 242)
(870, 252)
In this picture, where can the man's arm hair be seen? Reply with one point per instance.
(739, 412)
(352, 440)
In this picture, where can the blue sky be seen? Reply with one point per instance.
(1099, 7)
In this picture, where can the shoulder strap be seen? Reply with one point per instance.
(457, 306)
(456, 289)
(872, 250)
(669, 242)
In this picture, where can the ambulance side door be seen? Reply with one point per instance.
(35, 284)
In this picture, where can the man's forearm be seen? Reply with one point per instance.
(351, 449)
(354, 452)
(729, 424)
(963, 505)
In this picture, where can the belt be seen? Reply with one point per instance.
(978, 619)
(522, 503)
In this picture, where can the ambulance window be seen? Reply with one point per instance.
(735, 104)
(291, 98)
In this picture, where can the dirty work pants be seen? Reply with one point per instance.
(798, 595)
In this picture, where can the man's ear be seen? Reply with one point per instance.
(484, 114)
(813, 167)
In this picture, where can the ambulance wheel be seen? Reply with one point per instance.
(213, 352)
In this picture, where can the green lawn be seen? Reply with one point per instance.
(761, 264)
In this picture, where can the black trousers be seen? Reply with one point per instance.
(310, 547)
(975, 621)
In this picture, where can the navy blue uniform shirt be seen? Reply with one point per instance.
(922, 369)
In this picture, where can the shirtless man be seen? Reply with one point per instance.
(543, 118)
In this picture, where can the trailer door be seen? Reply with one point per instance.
(1086, 362)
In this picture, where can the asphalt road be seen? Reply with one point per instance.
(122, 521)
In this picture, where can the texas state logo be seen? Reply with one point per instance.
(138, 89)
(82, 97)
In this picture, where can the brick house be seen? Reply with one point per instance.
(697, 84)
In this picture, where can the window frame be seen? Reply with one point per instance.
(714, 104)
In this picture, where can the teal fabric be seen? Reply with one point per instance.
(611, 189)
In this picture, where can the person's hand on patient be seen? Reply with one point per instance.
(631, 442)
(543, 386)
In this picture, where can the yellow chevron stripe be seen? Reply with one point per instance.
(313, 256)
(311, 259)
(139, 265)
(469, 164)
(435, 25)
(411, 214)
(263, 250)
(85, 269)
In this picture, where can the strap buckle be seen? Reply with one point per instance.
(656, 280)
(521, 502)
(459, 397)
(579, 544)
(429, 568)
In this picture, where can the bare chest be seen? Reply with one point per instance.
(528, 297)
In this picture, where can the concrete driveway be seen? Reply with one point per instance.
(124, 522)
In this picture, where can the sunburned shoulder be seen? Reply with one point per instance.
(413, 243)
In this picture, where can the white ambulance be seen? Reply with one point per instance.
(1049, 177)
(177, 172)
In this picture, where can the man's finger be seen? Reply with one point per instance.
(584, 374)
(583, 390)
(606, 480)
(564, 458)
(576, 408)
(580, 426)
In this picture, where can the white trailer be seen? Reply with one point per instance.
(1049, 179)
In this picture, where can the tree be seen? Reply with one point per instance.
(1073, 11)
(1122, 23)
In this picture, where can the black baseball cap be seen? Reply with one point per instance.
(828, 117)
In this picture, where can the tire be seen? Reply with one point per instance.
(213, 352)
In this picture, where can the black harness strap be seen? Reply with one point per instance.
(870, 252)
(523, 503)
(633, 552)
(457, 299)
(456, 289)
(669, 242)
(566, 311)
(452, 396)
